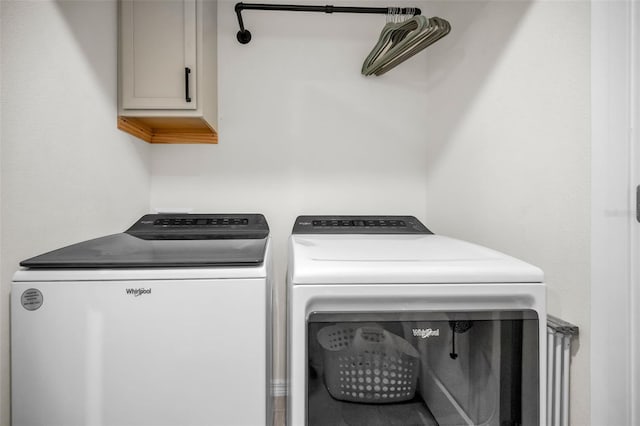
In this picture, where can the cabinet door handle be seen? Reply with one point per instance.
(187, 71)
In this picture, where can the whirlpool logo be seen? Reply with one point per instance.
(426, 332)
(138, 291)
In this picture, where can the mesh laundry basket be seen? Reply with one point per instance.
(368, 364)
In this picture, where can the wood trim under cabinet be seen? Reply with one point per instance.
(169, 129)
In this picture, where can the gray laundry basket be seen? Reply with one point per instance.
(368, 364)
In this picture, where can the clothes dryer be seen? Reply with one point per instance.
(165, 324)
(391, 324)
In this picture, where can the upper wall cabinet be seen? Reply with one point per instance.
(168, 70)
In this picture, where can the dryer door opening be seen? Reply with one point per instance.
(423, 368)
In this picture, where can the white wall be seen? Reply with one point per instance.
(510, 157)
(67, 173)
(484, 136)
(301, 131)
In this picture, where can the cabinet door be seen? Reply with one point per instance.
(158, 57)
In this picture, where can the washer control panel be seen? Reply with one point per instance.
(200, 227)
(204, 221)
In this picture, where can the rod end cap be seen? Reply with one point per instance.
(244, 37)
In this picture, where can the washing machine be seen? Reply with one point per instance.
(389, 324)
(165, 324)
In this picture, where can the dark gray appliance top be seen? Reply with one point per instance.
(359, 225)
(169, 240)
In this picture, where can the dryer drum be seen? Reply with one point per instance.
(366, 363)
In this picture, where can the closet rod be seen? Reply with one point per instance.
(244, 36)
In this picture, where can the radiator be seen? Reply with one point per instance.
(559, 335)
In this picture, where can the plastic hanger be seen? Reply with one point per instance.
(383, 40)
(414, 45)
(399, 42)
(398, 35)
(421, 25)
(437, 29)
(392, 34)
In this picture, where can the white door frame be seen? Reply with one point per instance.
(614, 244)
(635, 216)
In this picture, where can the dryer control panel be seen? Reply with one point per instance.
(359, 225)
